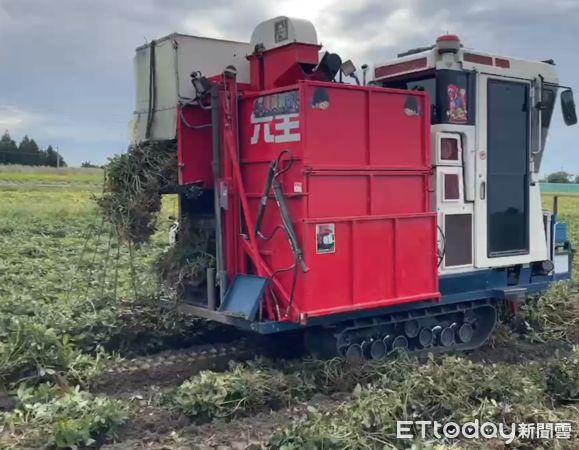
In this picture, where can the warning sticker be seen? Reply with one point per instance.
(298, 187)
(325, 238)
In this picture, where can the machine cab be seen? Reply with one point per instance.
(490, 117)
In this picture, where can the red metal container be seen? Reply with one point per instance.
(194, 146)
(355, 171)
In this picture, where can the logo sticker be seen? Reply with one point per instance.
(321, 99)
(411, 107)
(325, 238)
(457, 109)
(276, 118)
(281, 30)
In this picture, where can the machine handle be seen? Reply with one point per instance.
(483, 189)
(263, 200)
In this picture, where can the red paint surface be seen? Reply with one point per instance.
(478, 59)
(394, 69)
(194, 150)
(363, 164)
(501, 62)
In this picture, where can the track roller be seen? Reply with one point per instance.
(425, 337)
(438, 329)
(465, 333)
(411, 329)
(400, 343)
(447, 337)
(378, 350)
(354, 353)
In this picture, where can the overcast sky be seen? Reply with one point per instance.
(66, 74)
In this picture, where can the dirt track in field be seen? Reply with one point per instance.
(156, 427)
(165, 369)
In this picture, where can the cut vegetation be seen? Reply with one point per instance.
(75, 299)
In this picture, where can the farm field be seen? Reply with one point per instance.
(88, 360)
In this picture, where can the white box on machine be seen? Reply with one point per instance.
(176, 57)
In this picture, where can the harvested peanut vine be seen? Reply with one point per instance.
(131, 198)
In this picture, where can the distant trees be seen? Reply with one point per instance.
(559, 177)
(88, 164)
(27, 153)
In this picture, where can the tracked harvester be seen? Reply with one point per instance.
(395, 212)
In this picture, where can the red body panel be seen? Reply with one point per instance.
(280, 66)
(355, 171)
(194, 146)
(360, 178)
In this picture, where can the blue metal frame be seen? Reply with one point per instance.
(560, 239)
(455, 288)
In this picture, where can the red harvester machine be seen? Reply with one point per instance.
(322, 195)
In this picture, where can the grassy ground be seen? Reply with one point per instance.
(71, 298)
(49, 175)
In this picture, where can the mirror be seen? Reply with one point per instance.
(568, 107)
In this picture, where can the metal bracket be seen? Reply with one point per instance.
(224, 195)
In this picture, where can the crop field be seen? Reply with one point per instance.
(89, 360)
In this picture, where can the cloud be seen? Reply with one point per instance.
(15, 119)
(67, 65)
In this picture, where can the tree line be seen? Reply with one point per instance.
(561, 177)
(28, 153)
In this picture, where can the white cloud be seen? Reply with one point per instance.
(53, 128)
(15, 119)
(67, 64)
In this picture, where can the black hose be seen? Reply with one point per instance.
(443, 254)
(293, 290)
(152, 90)
(195, 127)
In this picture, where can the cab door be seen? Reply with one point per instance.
(503, 176)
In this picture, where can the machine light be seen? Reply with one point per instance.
(448, 43)
(348, 68)
(329, 65)
(200, 83)
(547, 266)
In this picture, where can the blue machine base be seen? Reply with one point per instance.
(242, 300)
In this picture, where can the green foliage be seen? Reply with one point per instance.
(132, 192)
(559, 177)
(239, 391)
(31, 351)
(552, 316)
(88, 164)
(563, 378)
(64, 419)
(186, 264)
(29, 177)
(443, 389)
(8, 149)
(58, 303)
(27, 153)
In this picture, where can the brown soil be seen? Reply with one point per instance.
(166, 369)
(506, 347)
(157, 429)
